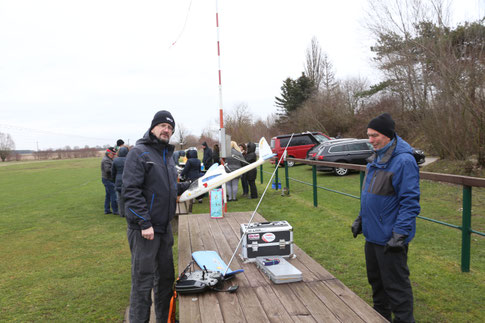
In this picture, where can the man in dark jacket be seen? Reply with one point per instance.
(150, 190)
(109, 186)
(251, 175)
(117, 173)
(389, 206)
(207, 158)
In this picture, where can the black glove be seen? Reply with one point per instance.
(357, 226)
(182, 187)
(396, 243)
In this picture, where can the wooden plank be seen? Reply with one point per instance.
(251, 306)
(190, 307)
(210, 311)
(231, 309)
(361, 308)
(312, 265)
(289, 300)
(275, 311)
(338, 307)
(315, 306)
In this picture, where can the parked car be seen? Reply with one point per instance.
(299, 144)
(352, 151)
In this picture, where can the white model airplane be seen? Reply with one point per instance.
(216, 175)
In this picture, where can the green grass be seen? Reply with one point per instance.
(63, 260)
(442, 292)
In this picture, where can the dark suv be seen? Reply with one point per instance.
(299, 144)
(352, 151)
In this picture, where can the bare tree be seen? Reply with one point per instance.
(238, 123)
(6, 145)
(181, 134)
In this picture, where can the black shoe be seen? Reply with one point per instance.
(116, 213)
(107, 212)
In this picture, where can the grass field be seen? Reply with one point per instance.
(63, 260)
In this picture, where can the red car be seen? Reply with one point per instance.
(299, 144)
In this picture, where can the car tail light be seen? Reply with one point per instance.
(314, 154)
(320, 157)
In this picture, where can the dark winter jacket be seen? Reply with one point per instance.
(233, 163)
(150, 185)
(251, 158)
(215, 156)
(117, 168)
(191, 170)
(106, 164)
(390, 194)
(207, 159)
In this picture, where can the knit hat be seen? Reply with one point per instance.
(120, 142)
(384, 124)
(163, 116)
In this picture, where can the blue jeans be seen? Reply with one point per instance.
(110, 197)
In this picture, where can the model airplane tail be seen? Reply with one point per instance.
(216, 175)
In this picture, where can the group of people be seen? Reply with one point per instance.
(112, 166)
(387, 218)
(242, 155)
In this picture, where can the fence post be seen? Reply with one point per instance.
(276, 178)
(315, 195)
(466, 228)
(362, 176)
(287, 179)
(261, 172)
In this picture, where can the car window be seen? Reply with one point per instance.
(272, 143)
(370, 146)
(321, 138)
(338, 148)
(358, 146)
(306, 140)
(284, 142)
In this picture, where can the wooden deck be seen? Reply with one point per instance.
(320, 297)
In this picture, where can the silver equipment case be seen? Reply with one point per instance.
(280, 273)
(266, 239)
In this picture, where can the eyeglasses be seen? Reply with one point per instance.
(165, 126)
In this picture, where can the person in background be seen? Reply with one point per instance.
(207, 159)
(244, 177)
(233, 163)
(388, 210)
(251, 175)
(117, 175)
(191, 171)
(176, 156)
(150, 190)
(107, 179)
(119, 143)
(216, 155)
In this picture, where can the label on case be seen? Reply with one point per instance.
(253, 236)
(268, 237)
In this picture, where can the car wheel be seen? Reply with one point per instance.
(340, 171)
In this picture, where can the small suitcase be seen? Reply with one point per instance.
(266, 239)
(279, 270)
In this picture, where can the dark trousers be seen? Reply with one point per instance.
(388, 274)
(110, 197)
(254, 190)
(151, 267)
(121, 203)
(244, 184)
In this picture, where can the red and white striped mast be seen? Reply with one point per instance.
(222, 133)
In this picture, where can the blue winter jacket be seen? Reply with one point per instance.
(390, 194)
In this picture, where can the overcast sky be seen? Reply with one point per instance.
(89, 72)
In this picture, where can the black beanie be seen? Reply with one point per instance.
(163, 116)
(384, 124)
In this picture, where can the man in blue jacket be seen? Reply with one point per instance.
(389, 206)
(150, 190)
